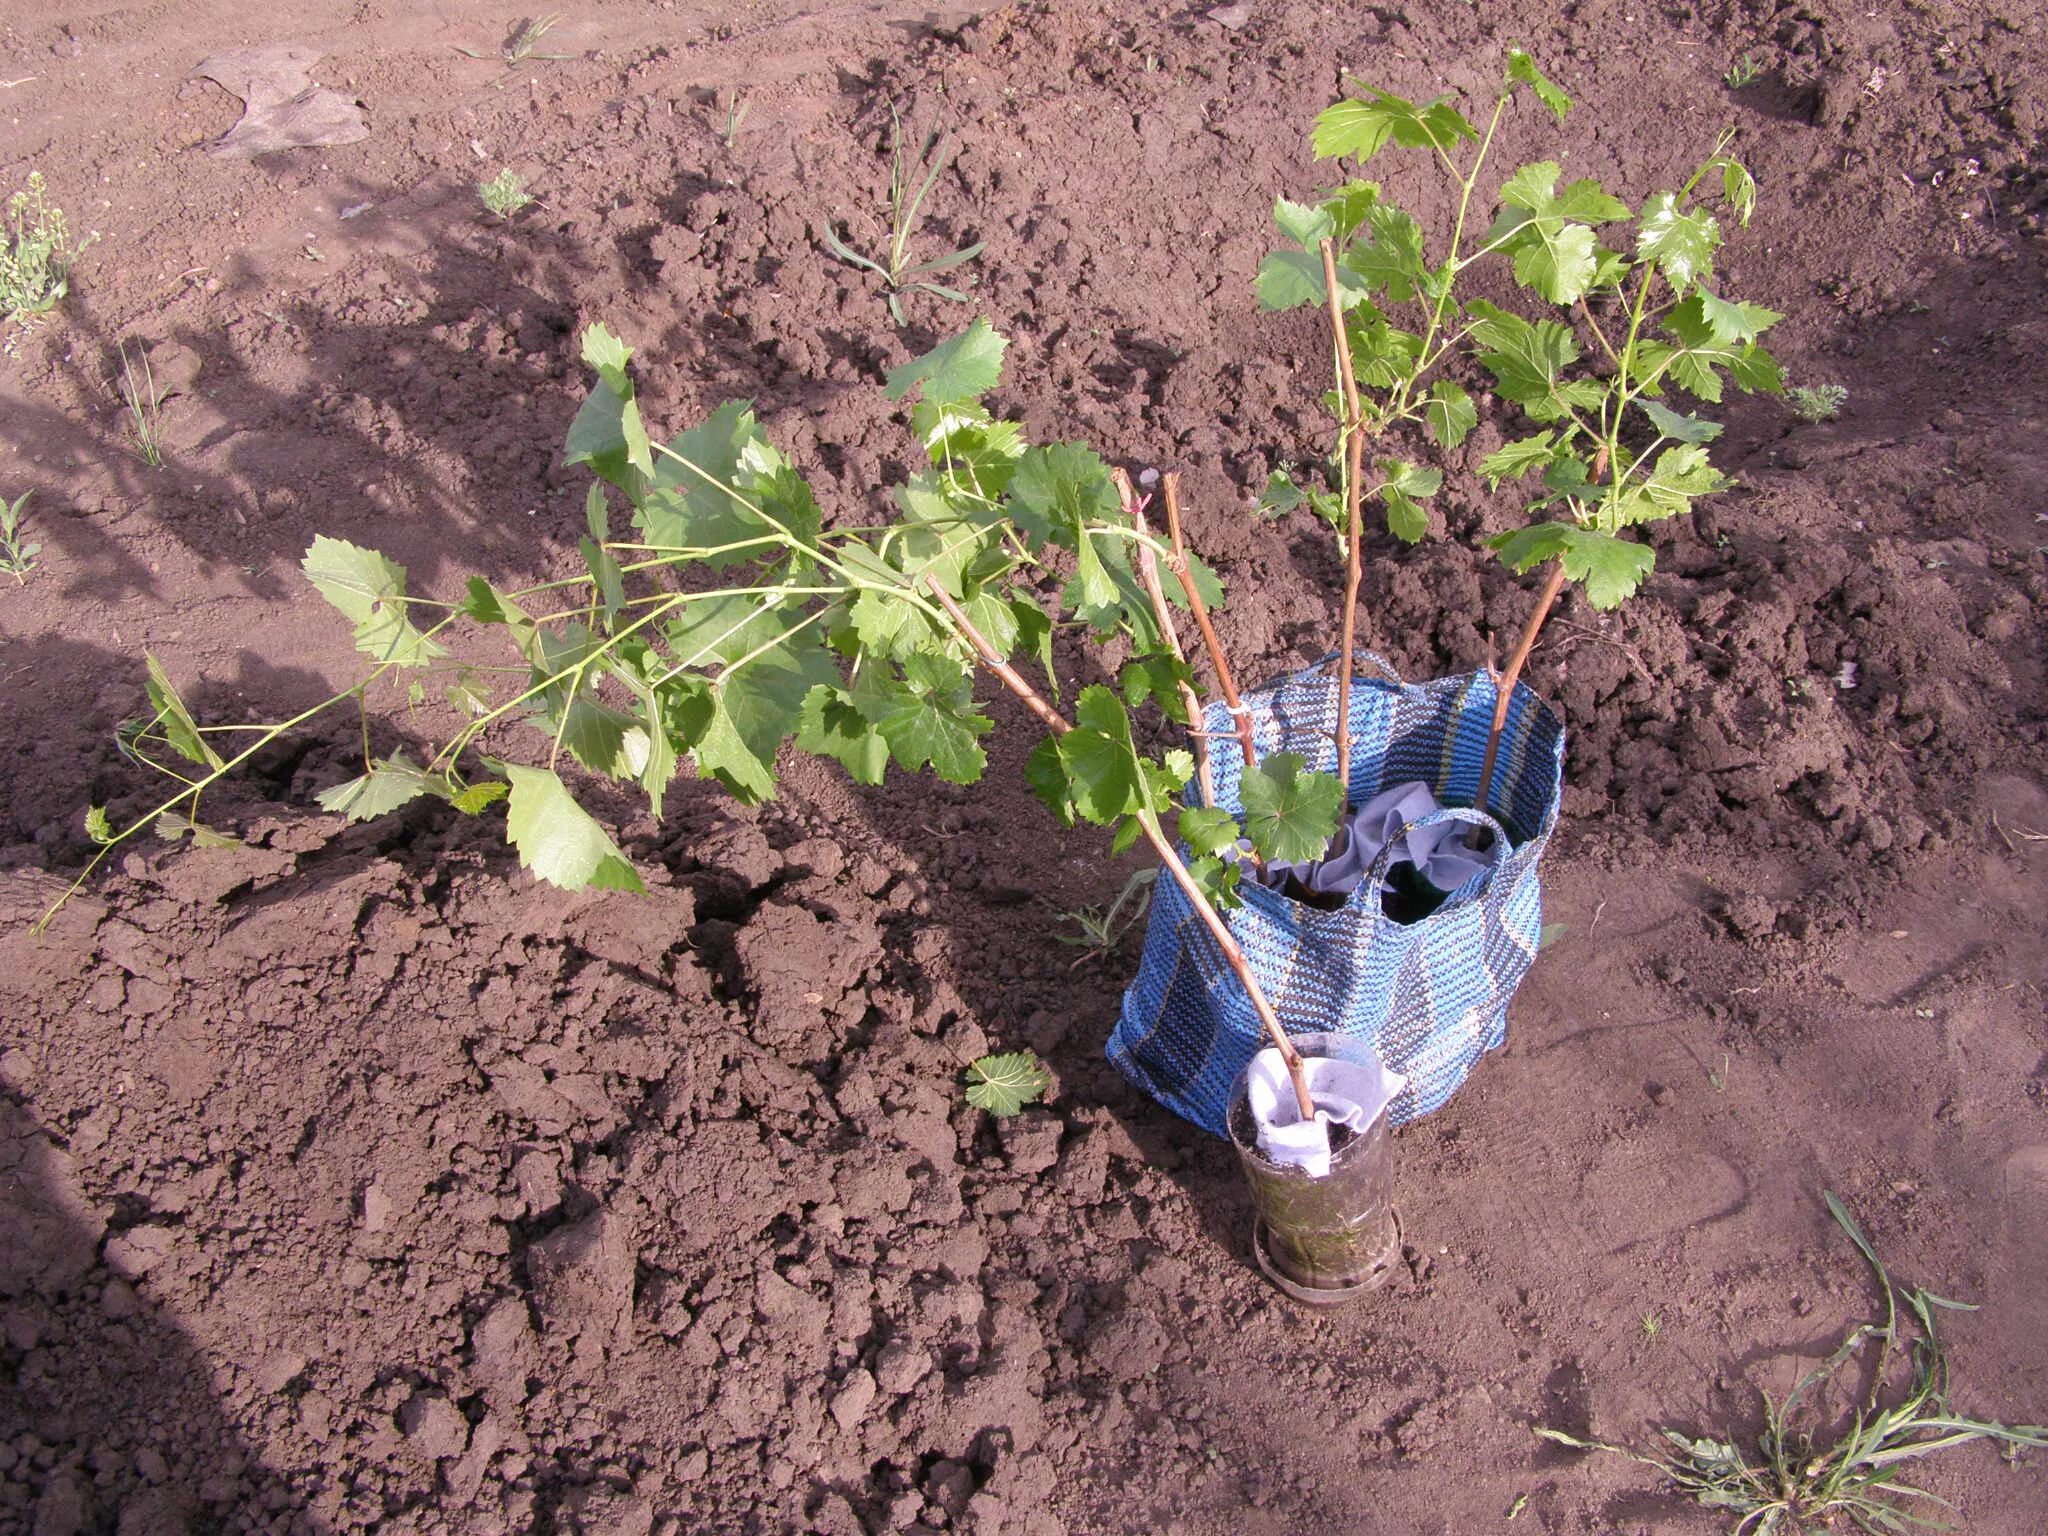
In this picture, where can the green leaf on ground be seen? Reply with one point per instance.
(1290, 816)
(560, 841)
(370, 590)
(388, 785)
(964, 368)
(1003, 1085)
(175, 720)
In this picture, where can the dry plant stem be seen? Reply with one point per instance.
(1233, 955)
(1353, 435)
(1148, 572)
(1225, 683)
(1504, 682)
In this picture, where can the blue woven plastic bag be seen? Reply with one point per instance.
(1431, 995)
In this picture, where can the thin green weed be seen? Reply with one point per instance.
(1815, 403)
(1742, 72)
(145, 406)
(36, 254)
(521, 43)
(1801, 1478)
(899, 274)
(505, 194)
(1101, 931)
(17, 557)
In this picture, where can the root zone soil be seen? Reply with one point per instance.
(354, 1183)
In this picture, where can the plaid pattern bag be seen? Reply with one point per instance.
(1432, 995)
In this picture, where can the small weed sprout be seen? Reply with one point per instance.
(1653, 1324)
(1102, 931)
(36, 255)
(522, 42)
(1742, 72)
(899, 273)
(505, 194)
(145, 405)
(1798, 1480)
(1815, 403)
(17, 558)
(736, 108)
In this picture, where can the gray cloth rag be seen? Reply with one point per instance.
(1439, 853)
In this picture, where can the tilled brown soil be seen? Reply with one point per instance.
(357, 1183)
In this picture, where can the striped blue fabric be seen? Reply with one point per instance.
(1433, 995)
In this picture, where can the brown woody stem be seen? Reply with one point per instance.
(1225, 683)
(1233, 954)
(1352, 435)
(1504, 682)
(1148, 572)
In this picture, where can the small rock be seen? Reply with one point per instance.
(852, 1401)
(433, 1426)
(901, 1365)
(139, 1250)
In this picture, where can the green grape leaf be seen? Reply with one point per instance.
(170, 826)
(1003, 1085)
(1610, 568)
(476, 797)
(1207, 583)
(97, 827)
(699, 498)
(387, 786)
(1208, 829)
(1701, 352)
(1522, 70)
(1291, 279)
(1034, 634)
(1407, 521)
(1449, 414)
(598, 436)
(604, 353)
(1382, 354)
(1734, 320)
(1390, 260)
(1527, 360)
(1157, 676)
(606, 577)
(830, 726)
(1046, 772)
(1512, 460)
(1681, 243)
(560, 841)
(927, 717)
(1362, 128)
(1306, 224)
(1290, 816)
(1217, 878)
(1057, 490)
(1103, 778)
(1128, 831)
(175, 720)
(1678, 426)
(964, 368)
(1738, 187)
(1678, 475)
(370, 590)
(1280, 496)
(595, 735)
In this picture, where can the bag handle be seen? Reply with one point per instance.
(1377, 875)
